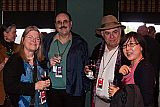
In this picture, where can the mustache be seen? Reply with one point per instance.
(62, 27)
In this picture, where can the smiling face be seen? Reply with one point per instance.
(31, 41)
(63, 24)
(132, 50)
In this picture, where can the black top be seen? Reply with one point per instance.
(144, 77)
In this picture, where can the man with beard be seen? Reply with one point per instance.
(67, 54)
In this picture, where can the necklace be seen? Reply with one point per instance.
(61, 53)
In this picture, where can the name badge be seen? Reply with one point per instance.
(59, 72)
(100, 83)
(43, 96)
(54, 68)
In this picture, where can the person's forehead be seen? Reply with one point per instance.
(132, 39)
(142, 28)
(62, 16)
(110, 30)
(13, 29)
(151, 28)
(32, 32)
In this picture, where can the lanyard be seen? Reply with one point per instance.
(104, 66)
(61, 53)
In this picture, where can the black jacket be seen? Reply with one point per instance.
(76, 81)
(13, 70)
(144, 77)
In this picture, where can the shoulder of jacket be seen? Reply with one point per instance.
(49, 35)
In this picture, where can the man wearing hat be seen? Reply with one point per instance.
(108, 60)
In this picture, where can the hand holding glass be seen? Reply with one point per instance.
(45, 77)
(58, 58)
(110, 82)
(92, 68)
(112, 87)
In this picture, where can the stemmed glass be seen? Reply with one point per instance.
(92, 68)
(57, 55)
(45, 76)
(42, 93)
(112, 83)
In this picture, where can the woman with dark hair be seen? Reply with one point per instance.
(140, 72)
(23, 74)
(7, 48)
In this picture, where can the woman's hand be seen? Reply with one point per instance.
(41, 85)
(112, 90)
(124, 70)
(6, 59)
(3, 63)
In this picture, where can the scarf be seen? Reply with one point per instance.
(117, 77)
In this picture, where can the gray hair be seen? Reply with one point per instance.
(8, 29)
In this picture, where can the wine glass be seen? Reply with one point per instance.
(45, 76)
(112, 83)
(92, 68)
(57, 55)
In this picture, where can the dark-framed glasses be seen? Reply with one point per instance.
(129, 45)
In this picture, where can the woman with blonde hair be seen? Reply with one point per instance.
(22, 73)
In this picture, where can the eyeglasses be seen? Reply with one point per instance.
(129, 45)
(31, 38)
(65, 22)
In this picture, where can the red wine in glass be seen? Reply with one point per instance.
(45, 77)
(92, 65)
